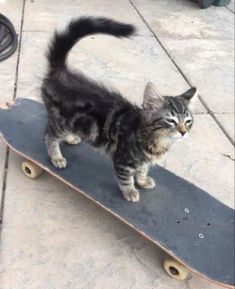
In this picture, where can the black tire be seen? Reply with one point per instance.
(8, 38)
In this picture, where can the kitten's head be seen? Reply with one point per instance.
(168, 116)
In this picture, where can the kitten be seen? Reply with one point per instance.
(80, 109)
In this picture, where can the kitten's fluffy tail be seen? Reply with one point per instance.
(79, 28)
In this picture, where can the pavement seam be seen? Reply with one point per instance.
(229, 9)
(6, 165)
(223, 112)
(19, 50)
(183, 75)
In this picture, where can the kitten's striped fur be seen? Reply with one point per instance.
(80, 109)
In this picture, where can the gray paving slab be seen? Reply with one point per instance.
(58, 13)
(228, 122)
(12, 9)
(54, 238)
(203, 67)
(202, 44)
(231, 5)
(127, 65)
(7, 77)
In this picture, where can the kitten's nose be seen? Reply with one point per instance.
(183, 132)
(182, 129)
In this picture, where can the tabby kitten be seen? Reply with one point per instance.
(80, 109)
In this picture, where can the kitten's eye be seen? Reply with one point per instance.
(189, 121)
(171, 121)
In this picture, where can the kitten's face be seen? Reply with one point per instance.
(168, 116)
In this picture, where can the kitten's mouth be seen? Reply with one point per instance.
(183, 137)
(180, 137)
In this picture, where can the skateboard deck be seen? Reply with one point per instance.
(189, 224)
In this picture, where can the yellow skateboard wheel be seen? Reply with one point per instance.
(175, 269)
(31, 170)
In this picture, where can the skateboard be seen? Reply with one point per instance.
(191, 226)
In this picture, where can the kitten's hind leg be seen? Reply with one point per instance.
(53, 149)
(72, 139)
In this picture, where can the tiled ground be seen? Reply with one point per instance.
(51, 237)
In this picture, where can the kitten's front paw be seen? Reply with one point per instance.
(132, 196)
(59, 163)
(147, 183)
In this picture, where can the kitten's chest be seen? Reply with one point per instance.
(158, 155)
(158, 150)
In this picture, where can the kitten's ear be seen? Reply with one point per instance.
(188, 95)
(152, 97)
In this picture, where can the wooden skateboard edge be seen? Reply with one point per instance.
(170, 253)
